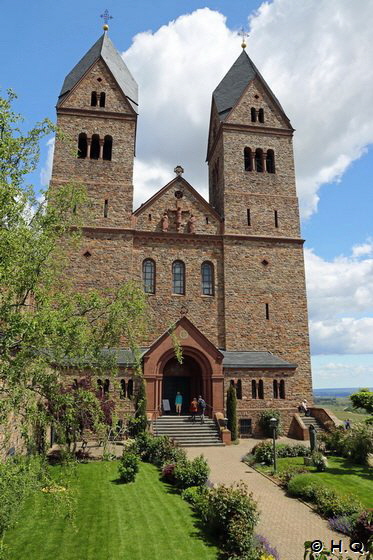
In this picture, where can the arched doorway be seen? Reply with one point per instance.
(185, 378)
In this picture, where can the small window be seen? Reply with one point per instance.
(275, 389)
(207, 277)
(232, 382)
(259, 164)
(248, 159)
(87, 254)
(108, 148)
(248, 217)
(265, 262)
(106, 208)
(261, 115)
(267, 311)
(254, 393)
(130, 389)
(149, 217)
(245, 427)
(75, 384)
(94, 99)
(282, 389)
(178, 277)
(207, 219)
(239, 389)
(253, 114)
(95, 146)
(148, 276)
(261, 389)
(122, 389)
(100, 388)
(82, 145)
(106, 387)
(102, 99)
(270, 161)
(276, 219)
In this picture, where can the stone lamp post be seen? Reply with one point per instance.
(273, 423)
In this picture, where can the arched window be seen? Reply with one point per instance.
(207, 277)
(82, 145)
(282, 389)
(130, 389)
(122, 389)
(259, 163)
(253, 114)
(232, 382)
(94, 99)
(248, 159)
(75, 384)
(275, 389)
(100, 388)
(108, 147)
(270, 161)
(254, 394)
(261, 115)
(260, 389)
(178, 277)
(95, 146)
(148, 276)
(106, 387)
(239, 389)
(102, 99)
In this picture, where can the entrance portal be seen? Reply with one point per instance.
(184, 378)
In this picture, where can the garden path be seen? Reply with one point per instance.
(286, 522)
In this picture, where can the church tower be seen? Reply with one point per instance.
(97, 114)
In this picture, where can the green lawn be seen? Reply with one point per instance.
(144, 520)
(342, 476)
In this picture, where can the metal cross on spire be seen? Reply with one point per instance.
(106, 16)
(244, 34)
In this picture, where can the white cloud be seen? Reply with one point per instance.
(46, 170)
(313, 55)
(340, 298)
(347, 371)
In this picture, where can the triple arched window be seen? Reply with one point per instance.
(95, 147)
(259, 160)
(178, 277)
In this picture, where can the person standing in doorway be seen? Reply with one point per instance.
(202, 407)
(178, 402)
(194, 409)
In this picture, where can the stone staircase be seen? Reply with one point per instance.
(187, 433)
(308, 420)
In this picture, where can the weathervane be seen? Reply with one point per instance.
(243, 34)
(106, 16)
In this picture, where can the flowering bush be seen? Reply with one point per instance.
(342, 523)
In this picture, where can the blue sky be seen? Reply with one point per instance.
(314, 55)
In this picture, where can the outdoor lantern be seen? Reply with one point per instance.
(273, 423)
(225, 422)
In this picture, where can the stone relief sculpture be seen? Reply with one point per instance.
(165, 222)
(192, 224)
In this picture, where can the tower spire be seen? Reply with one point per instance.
(243, 34)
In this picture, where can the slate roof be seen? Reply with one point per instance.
(248, 360)
(105, 49)
(234, 83)
(254, 360)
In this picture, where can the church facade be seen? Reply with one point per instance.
(228, 273)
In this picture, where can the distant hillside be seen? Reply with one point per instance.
(336, 392)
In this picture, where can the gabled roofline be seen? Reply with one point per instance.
(62, 98)
(159, 193)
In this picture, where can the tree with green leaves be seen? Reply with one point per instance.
(232, 411)
(47, 328)
(363, 399)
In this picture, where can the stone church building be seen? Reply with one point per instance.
(229, 272)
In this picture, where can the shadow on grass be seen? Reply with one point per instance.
(203, 531)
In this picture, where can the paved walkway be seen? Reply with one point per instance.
(285, 522)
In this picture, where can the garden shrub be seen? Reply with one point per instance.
(286, 450)
(362, 530)
(303, 486)
(290, 472)
(263, 453)
(268, 551)
(358, 443)
(128, 467)
(330, 504)
(319, 461)
(197, 497)
(191, 473)
(264, 422)
(232, 515)
(249, 459)
(342, 523)
(158, 449)
(168, 472)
